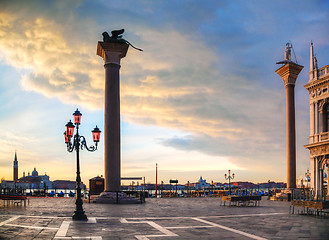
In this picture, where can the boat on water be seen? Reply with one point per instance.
(61, 194)
(51, 194)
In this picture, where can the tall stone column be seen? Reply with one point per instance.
(317, 177)
(320, 182)
(313, 172)
(289, 73)
(316, 120)
(112, 54)
(312, 121)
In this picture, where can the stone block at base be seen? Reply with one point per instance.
(114, 198)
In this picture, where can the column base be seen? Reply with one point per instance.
(80, 216)
(115, 198)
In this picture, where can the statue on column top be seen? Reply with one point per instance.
(287, 53)
(116, 37)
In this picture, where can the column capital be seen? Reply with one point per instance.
(112, 52)
(289, 73)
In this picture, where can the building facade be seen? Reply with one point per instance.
(318, 87)
(67, 184)
(201, 184)
(36, 181)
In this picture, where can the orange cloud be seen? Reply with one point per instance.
(73, 73)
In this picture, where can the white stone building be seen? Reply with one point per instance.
(318, 87)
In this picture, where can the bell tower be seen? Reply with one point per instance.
(15, 167)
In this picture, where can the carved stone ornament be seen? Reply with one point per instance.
(319, 90)
(321, 103)
(313, 93)
(324, 162)
(319, 150)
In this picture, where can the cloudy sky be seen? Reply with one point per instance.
(203, 97)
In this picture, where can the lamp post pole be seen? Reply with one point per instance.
(79, 142)
(307, 176)
(79, 214)
(229, 177)
(156, 180)
(188, 188)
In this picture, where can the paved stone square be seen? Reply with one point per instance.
(174, 218)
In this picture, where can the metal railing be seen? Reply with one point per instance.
(324, 70)
(309, 195)
(12, 191)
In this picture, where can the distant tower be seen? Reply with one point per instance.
(15, 167)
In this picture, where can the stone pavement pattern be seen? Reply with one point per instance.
(181, 218)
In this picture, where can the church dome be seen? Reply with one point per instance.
(35, 173)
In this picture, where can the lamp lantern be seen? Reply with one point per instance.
(67, 140)
(96, 134)
(77, 117)
(69, 129)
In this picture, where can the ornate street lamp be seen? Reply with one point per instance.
(79, 142)
(229, 177)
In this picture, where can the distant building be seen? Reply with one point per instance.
(244, 184)
(13, 184)
(201, 184)
(66, 184)
(34, 181)
(37, 181)
(96, 185)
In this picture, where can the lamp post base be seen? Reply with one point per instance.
(79, 216)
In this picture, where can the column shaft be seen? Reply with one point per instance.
(323, 122)
(321, 182)
(313, 172)
(311, 120)
(317, 177)
(291, 137)
(112, 128)
(316, 121)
